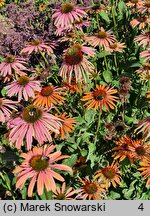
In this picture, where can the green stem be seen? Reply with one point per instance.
(113, 8)
(98, 126)
(39, 62)
(77, 33)
(97, 18)
(105, 60)
(45, 59)
(116, 65)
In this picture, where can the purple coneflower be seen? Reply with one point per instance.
(39, 166)
(11, 63)
(24, 87)
(67, 14)
(103, 38)
(33, 122)
(37, 46)
(75, 61)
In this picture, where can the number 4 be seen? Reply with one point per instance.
(141, 207)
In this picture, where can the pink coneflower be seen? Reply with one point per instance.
(145, 55)
(39, 166)
(24, 87)
(5, 109)
(37, 46)
(141, 22)
(115, 47)
(144, 126)
(67, 14)
(103, 38)
(143, 39)
(75, 61)
(63, 193)
(144, 7)
(91, 190)
(33, 122)
(11, 63)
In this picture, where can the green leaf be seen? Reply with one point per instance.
(91, 156)
(104, 15)
(128, 193)
(121, 6)
(137, 64)
(107, 76)
(4, 92)
(70, 161)
(114, 195)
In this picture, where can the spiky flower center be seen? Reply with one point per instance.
(23, 80)
(140, 150)
(61, 196)
(146, 66)
(35, 42)
(125, 146)
(90, 188)
(46, 91)
(113, 46)
(102, 34)
(147, 4)
(10, 59)
(109, 172)
(99, 95)
(38, 163)
(73, 56)
(134, 1)
(142, 19)
(67, 8)
(31, 114)
(1, 102)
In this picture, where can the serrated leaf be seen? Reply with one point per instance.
(107, 76)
